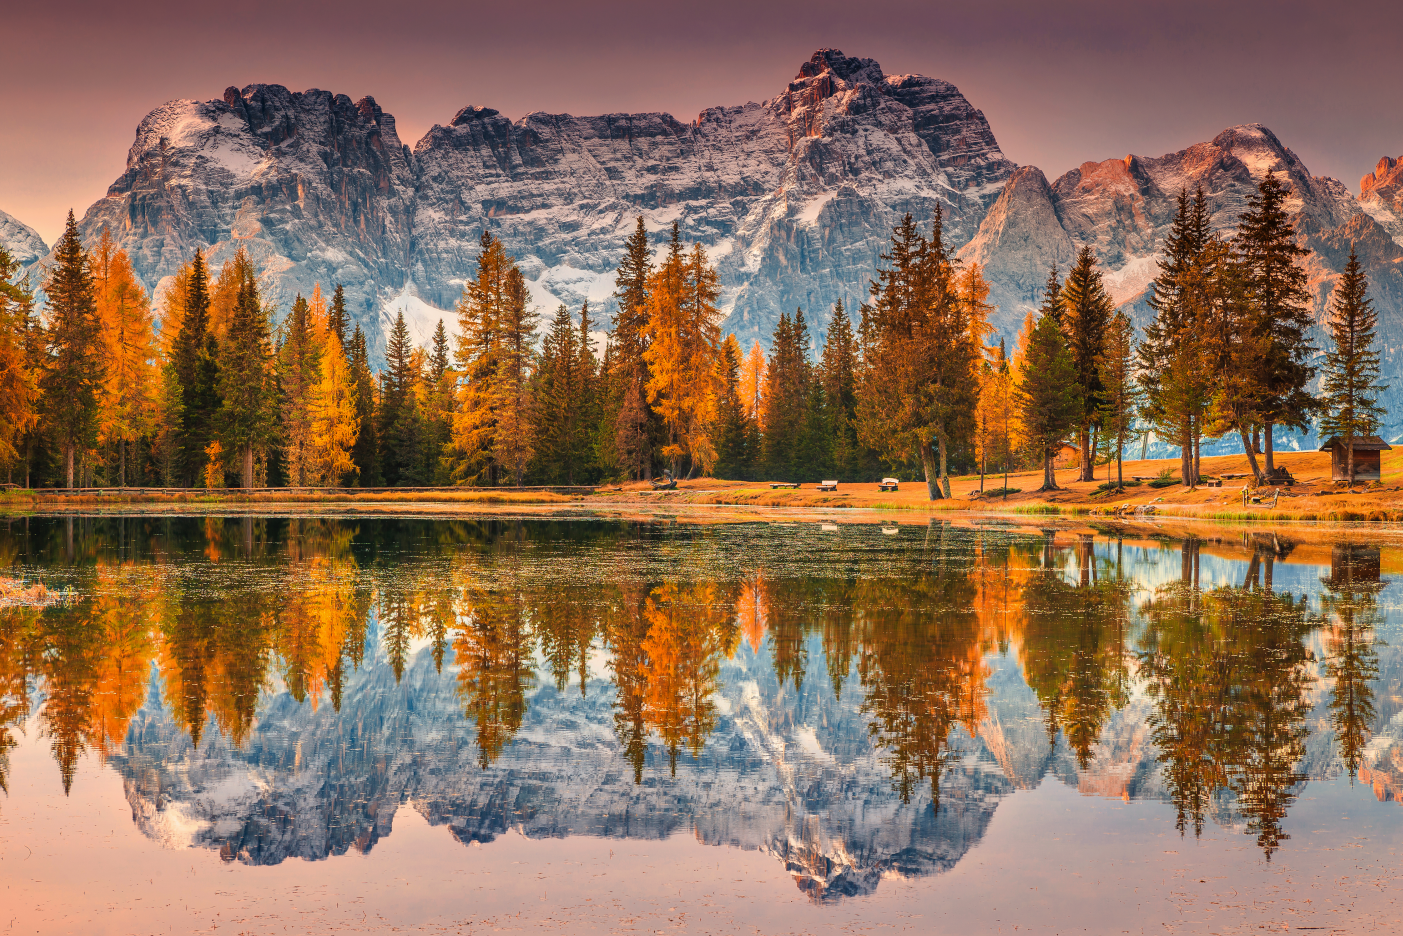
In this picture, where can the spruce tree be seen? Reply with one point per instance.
(555, 391)
(1087, 314)
(366, 450)
(247, 416)
(1047, 394)
(1277, 288)
(1116, 364)
(732, 438)
(299, 373)
(400, 426)
(589, 403)
(74, 368)
(629, 341)
(1350, 389)
(838, 371)
(336, 319)
(1052, 298)
(787, 399)
(441, 383)
(1171, 366)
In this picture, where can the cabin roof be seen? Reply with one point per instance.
(1361, 444)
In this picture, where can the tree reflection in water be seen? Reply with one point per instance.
(231, 611)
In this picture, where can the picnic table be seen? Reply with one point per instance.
(828, 486)
(888, 484)
(783, 484)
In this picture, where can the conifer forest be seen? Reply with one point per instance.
(209, 385)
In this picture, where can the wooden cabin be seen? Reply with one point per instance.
(1068, 456)
(1368, 451)
(1354, 565)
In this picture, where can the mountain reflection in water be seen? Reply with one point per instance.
(855, 706)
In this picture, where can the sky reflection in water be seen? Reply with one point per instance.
(856, 706)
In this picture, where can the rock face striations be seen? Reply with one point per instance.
(21, 241)
(317, 188)
(793, 197)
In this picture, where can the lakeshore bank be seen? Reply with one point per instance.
(1313, 496)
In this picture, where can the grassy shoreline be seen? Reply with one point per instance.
(1313, 499)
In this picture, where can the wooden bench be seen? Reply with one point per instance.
(783, 484)
(828, 486)
(888, 484)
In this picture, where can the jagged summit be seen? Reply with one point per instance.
(793, 197)
(1381, 195)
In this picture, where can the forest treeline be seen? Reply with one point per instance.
(224, 390)
(1230, 706)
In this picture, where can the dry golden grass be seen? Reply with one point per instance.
(1314, 497)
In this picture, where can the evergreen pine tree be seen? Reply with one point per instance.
(441, 382)
(300, 371)
(589, 403)
(1116, 365)
(400, 427)
(1087, 311)
(74, 369)
(1047, 394)
(838, 371)
(1277, 288)
(1350, 389)
(247, 417)
(336, 319)
(555, 391)
(365, 453)
(1052, 298)
(1171, 368)
(732, 457)
(628, 344)
(789, 375)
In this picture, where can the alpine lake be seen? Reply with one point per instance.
(561, 722)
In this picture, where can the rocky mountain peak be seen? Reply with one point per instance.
(21, 241)
(471, 112)
(1387, 174)
(1381, 195)
(850, 70)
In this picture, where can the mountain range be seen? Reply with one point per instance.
(793, 197)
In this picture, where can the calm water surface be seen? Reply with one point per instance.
(355, 725)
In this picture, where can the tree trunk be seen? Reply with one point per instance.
(1349, 449)
(932, 472)
(1266, 437)
(1257, 439)
(1049, 475)
(1091, 451)
(1084, 437)
(1186, 456)
(1120, 468)
(248, 467)
(944, 464)
(68, 461)
(1251, 456)
(122, 463)
(1198, 455)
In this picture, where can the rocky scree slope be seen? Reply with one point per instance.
(793, 197)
